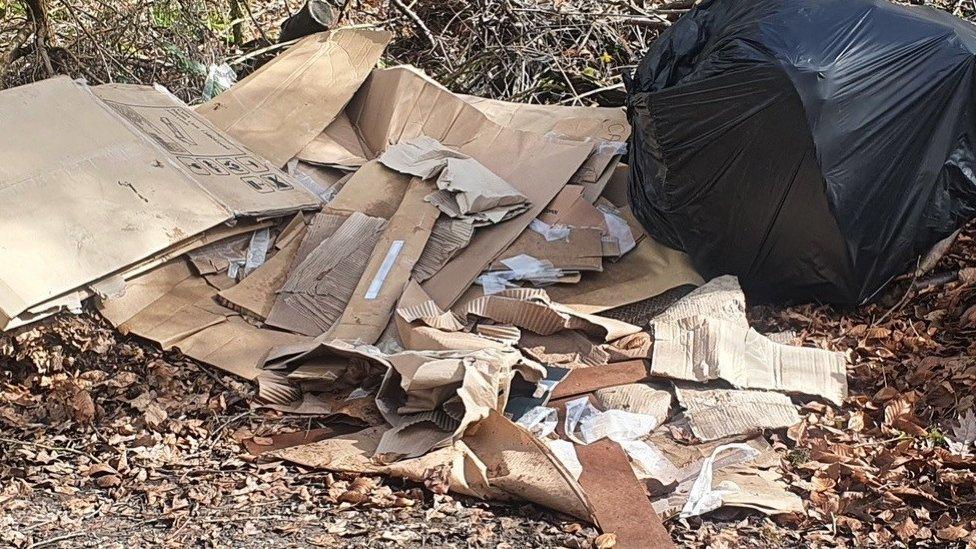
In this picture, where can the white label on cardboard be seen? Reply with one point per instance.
(380, 278)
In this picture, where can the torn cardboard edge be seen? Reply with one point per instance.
(533, 310)
(706, 336)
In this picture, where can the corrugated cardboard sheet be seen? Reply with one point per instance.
(78, 172)
(421, 325)
(706, 336)
(371, 304)
(430, 398)
(533, 310)
(648, 270)
(279, 108)
(326, 273)
(175, 308)
(718, 413)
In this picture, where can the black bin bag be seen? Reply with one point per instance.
(813, 148)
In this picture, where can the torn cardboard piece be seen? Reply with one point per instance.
(279, 108)
(568, 349)
(619, 502)
(317, 291)
(368, 310)
(706, 336)
(174, 308)
(533, 310)
(312, 376)
(430, 398)
(353, 453)
(422, 325)
(586, 380)
(607, 126)
(466, 189)
(496, 460)
(374, 190)
(447, 239)
(255, 295)
(639, 398)
(580, 250)
(713, 414)
(338, 146)
(650, 269)
(522, 466)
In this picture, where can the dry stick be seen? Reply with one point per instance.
(38, 14)
(611, 87)
(49, 541)
(904, 299)
(423, 27)
(250, 14)
(14, 53)
(46, 447)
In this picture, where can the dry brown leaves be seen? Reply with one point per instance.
(896, 465)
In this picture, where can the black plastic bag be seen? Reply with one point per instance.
(814, 148)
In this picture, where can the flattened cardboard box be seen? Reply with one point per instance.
(278, 109)
(86, 192)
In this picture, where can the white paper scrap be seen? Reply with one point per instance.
(565, 452)
(703, 496)
(540, 421)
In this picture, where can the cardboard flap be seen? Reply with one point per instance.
(278, 109)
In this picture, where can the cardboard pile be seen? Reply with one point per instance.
(428, 266)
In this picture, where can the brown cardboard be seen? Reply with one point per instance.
(243, 182)
(581, 250)
(278, 109)
(566, 349)
(255, 295)
(422, 325)
(174, 308)
(337, 146)
(353, 453)
(706, 336)
(519, 464)
(648, 270)
(533, 310)
(639, 398)
(616, 190)
(397, 104)
(431, 398)
(467, 190)
(718, 413)
(374, 190)
(618, 500)
(448, 237)
(368, 310)
(319, 287)
(586, 380)
(72, 179)
(596, 123)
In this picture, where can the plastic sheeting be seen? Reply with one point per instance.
(813, 148)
